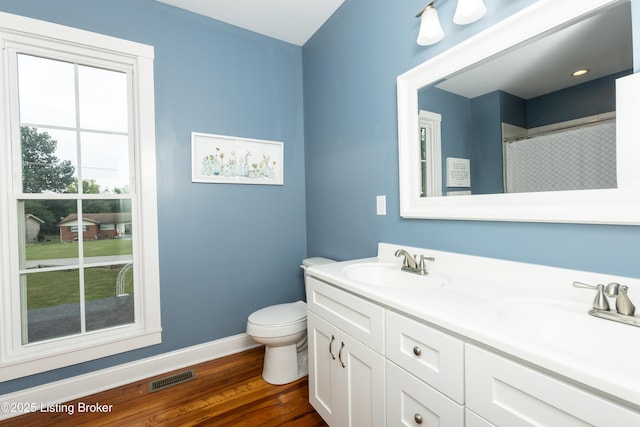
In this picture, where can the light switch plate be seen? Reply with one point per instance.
(381, 205)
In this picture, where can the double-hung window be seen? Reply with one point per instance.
(78, 222)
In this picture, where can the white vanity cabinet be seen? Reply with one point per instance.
(507, 393)
(346, 362)
(425, 374)
(381, 357)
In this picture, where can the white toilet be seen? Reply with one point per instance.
(282, 329)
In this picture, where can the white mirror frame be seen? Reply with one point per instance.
(610, 206)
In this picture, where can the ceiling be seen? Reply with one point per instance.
(602, 43)
(293, 21)
(539, 67)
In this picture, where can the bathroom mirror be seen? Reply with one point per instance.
(533, 25)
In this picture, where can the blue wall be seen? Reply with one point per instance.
(587, 99)
(225, 250)
(350, 70)
(486, 158)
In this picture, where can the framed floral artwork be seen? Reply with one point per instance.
(232, 160)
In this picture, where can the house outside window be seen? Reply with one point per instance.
(78, 118)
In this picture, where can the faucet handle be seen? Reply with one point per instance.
(422, 265)
(600, 301)
(623, 303)
(577, 284)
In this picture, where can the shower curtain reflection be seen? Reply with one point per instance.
(576, 158)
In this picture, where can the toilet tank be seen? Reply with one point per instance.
(310, 262)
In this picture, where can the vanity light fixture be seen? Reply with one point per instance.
(430, 29)
(467, 11)
(581, 72)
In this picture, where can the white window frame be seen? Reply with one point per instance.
(53, 40)
(432, 180)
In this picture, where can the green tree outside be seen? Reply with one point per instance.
(41, 169)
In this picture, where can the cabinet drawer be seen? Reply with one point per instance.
(359, 318)
(410, 402)
(508, 393)
(433, 356)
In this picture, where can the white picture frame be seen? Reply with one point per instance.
(233, 160)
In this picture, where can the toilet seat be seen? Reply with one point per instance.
(278, 320)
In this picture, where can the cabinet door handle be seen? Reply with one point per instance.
(340, 354)
(417, 418)
(417, 351)
(330, 345)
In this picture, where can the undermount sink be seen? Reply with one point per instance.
(563, 324)
(390, 276)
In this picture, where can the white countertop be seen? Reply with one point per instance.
(529, 311)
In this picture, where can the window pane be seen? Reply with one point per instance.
(109, 296)
(108, 235)
(48, 160)
(105, 163)
(47, 91)
(53, 305)
(48, 240)
(103, 99)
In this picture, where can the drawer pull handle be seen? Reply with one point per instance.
(417, 418)
(330, 345)
(340, 354)
(417, 351)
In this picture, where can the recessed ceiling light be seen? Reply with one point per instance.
(580, 72)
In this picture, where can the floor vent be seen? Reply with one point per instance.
(176, 379)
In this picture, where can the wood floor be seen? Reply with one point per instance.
(228, 391)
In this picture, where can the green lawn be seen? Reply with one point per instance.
(53, 288)
(62, 287)
(55, 249)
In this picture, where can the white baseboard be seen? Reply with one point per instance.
(105, 379)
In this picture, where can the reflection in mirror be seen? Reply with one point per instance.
(615, 202)
(524, 122)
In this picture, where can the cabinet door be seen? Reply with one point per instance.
(323, 353)
(508, 393)
(412, 402)
(346, 378)
(362, 373)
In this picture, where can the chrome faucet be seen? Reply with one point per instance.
(413, 264)
(624, 305)
(625, 310)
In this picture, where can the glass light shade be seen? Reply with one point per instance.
(468, 11)
(430, 29)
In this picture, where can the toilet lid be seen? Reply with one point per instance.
(280, 314)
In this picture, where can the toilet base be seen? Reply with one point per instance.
(284, 364)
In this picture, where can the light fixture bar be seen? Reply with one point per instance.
(430, 29)
(430, 4)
